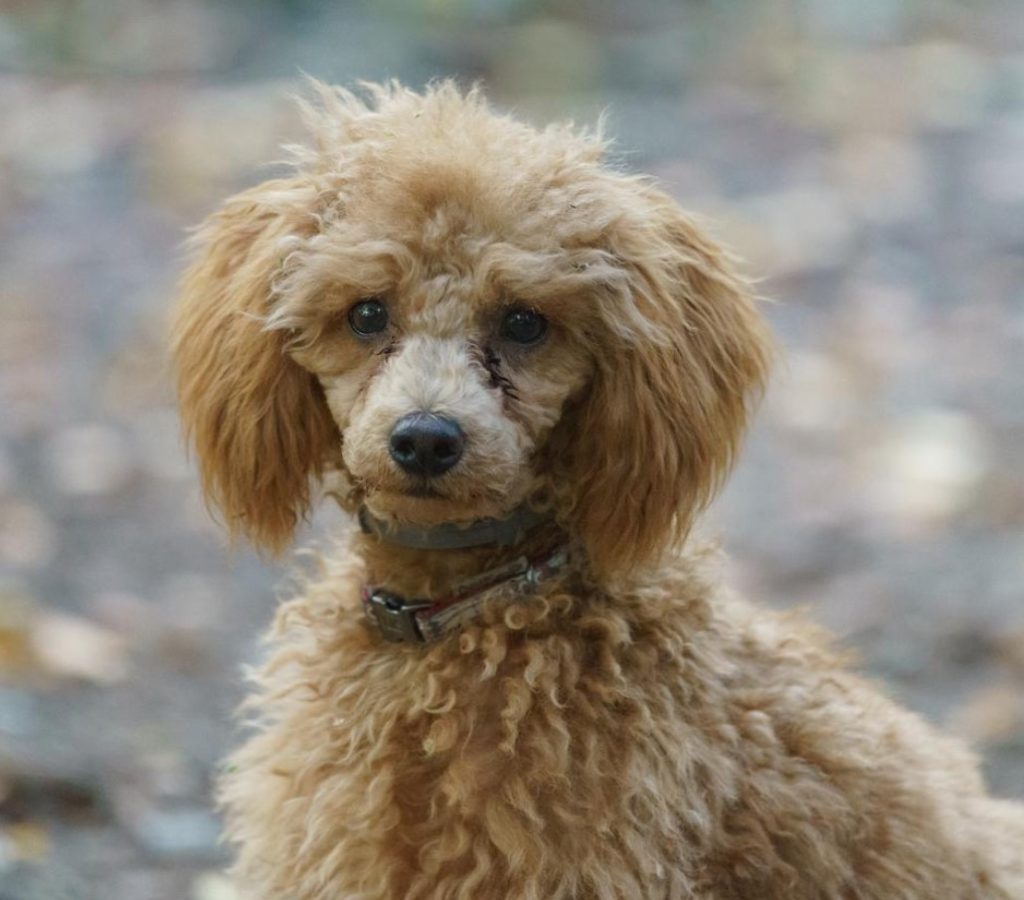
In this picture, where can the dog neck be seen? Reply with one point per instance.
(508, 531)
(418, 565)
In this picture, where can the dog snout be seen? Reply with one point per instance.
(426, 444)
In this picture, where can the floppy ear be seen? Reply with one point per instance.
(258, 421)
(678, 363)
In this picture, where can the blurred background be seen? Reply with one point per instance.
(865, 157)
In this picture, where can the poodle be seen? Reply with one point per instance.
(516, 674)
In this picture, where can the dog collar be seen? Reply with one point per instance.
(421, 621)
(452, 536)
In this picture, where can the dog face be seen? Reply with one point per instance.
(442, 336)
(461, 314)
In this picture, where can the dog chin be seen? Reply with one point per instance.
(426, 509)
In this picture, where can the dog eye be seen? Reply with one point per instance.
(368, 317)
(524, 326)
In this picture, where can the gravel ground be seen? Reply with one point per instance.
(865, 158)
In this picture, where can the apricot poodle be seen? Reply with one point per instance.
(525, 373)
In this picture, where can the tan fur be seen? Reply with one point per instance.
(237, 387)
(633, 730)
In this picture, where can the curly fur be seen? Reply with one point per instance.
(631, 731)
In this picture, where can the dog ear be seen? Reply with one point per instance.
(258, 421)
(680, 359)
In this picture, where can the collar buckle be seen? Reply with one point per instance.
(422, 621)
(394, 616)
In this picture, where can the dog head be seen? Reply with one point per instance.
(461, 313)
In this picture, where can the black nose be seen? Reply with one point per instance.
(425, 444)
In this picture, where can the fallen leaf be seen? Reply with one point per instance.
(214, 886)
(992, 714)
(73, 647)
(27, 842)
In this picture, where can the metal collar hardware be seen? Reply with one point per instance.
(422, 620)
